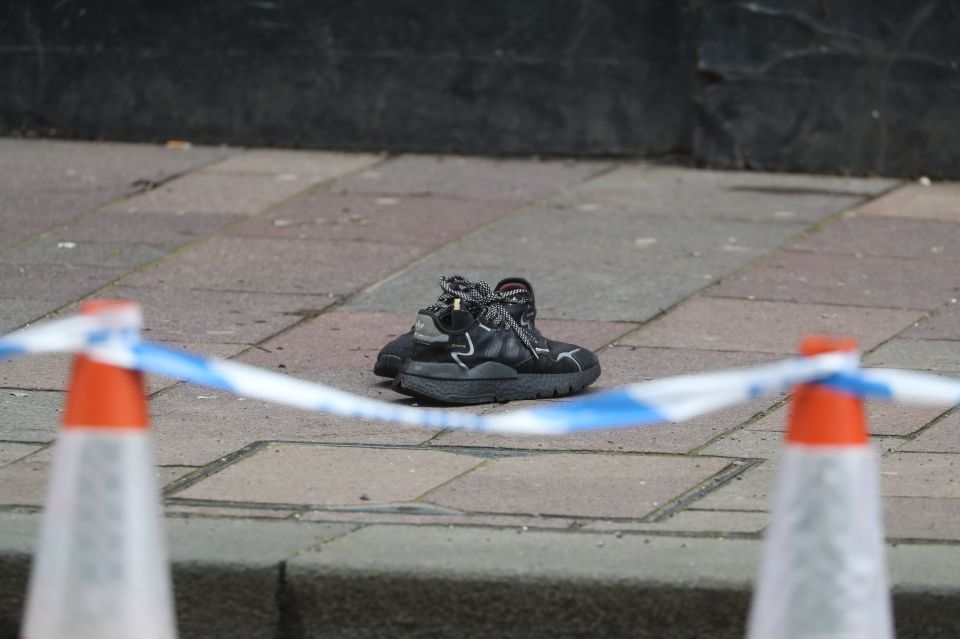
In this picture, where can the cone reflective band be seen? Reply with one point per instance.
(823, 572)
(100, 570)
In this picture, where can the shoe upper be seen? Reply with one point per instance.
(494, 326)
(518, 302)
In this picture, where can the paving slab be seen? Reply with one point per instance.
(156, 229)
(944, 324)
(764, 326)
(519, 523)
(425, 221)
(29, 416)
(58, 283)
(584, 294)
(883, 418)
(849, 280)
(98, 164)
(915, 201)
(197, 426)
(921, 518)
(24, 482)
(941, 437)
(217, 317)
(886, 236)
(762, 444)
(323, 165)
(718, 522)
(334, 340)
(697, 193)
(13, 451)
(751, 490)
(630, 364)
(26, 214)
(80, 254)
(51, 372)
(935, 355)
(217, 193)
(589, 485)
(323, 475)
(15, 313)
(655, 438)
(470, 178)
(263, 265)
(935, 475)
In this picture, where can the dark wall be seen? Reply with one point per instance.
(865, 86)
(524, 76)
(857, 86)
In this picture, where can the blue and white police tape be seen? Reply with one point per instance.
(113, 337)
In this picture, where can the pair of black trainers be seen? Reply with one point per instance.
(476, 345)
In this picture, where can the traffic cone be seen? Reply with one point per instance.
(101, 568)
(823, 572)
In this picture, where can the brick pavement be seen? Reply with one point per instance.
(307, 262)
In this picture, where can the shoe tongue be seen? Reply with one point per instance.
(522, 313)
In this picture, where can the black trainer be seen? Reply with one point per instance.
(392, 356)
(480, 353)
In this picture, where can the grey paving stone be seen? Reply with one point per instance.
(772, 327)
(24, 482)
(426, 221)
(752, 490)
(331, 341)
(914, 201)
(80, 254)
(177, 509)
(217, 317)
(217, 193)
(944, 324)
(883, 418)
(15, 313)
(885, 282)
(194, 431)
(52, 371)
(323, 475)
(630, 364)
(470, 178)
(934, 475)
(700, 521)
(57, 283)
(921, 518)
(562, 293)
(29, 416)
(157, 229)
(25, 214)
(518, 523)
(672, 191)
(885, 236)
(942, 437)
(271, 265)
(100, 164)
(938, 356)
(13, 451)
(318, 164)
(589, 485)
(654, 438)
(763, 444)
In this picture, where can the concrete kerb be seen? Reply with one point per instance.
(266, 579)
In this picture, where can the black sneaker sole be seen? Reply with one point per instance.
(486, 391)
(387, 365)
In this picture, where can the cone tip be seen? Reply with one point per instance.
(820, 416)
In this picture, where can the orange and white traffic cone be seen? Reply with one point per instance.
(823, 572)
(101, 568)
